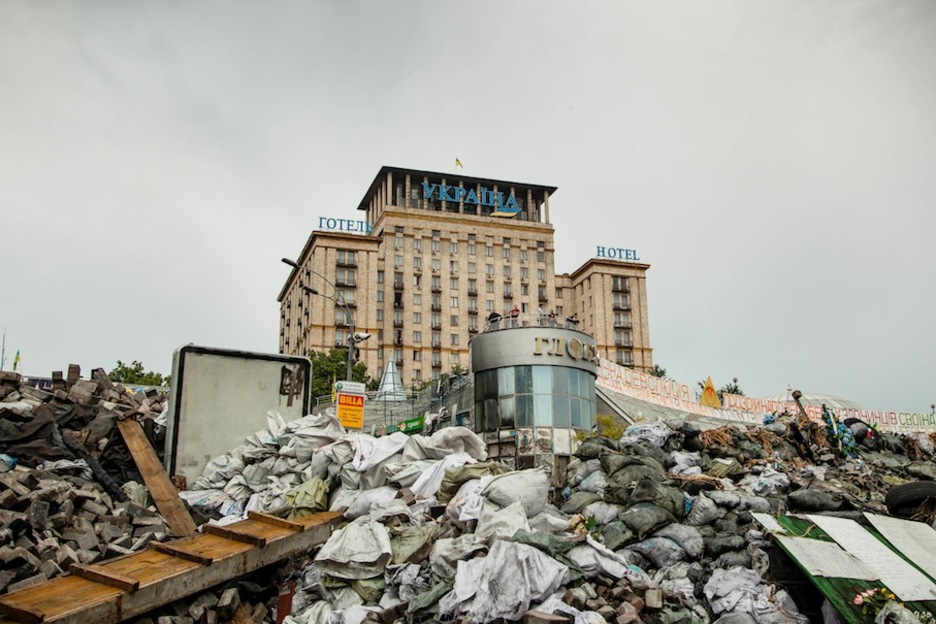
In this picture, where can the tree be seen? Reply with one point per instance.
(135, 374)
(332, 366)
(657, 371)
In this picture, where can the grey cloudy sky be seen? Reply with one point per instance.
(773, 161)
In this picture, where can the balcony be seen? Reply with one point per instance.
(620, 306)
(398, 322)
(436, 288)
(543, 298)
(341, 323)
(473, 311)
(345, 282)
(623, 343)
(397, 285)
(399, 364)
(508, 295)
(347, 262)
(472, 330)
(437, 365)
(624, 324)
(436, 307)
(437, 326)
(619, 287)
(436, 344)
(472, 292)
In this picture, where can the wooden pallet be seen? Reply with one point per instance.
(125, 587)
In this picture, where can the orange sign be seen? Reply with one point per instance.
(351, 410)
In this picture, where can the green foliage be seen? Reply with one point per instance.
(657, 371)
(607, 427)
(332, 366)
(135, 374)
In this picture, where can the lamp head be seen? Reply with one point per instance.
(361, 336)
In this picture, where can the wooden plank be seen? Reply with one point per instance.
(175, 551)
(163, 577)
(157, 481)
(233, 534)
(280, 522)
(101, 574)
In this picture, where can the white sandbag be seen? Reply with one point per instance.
(530, 487)
(503, 584)
(501, 524)
(427, 485)
(222, 469)
(360, 550)
(444, 442)
(405, 473)
(656, 433)
(467, 503)
(362, 503)
(341, 498)
(376, 476)
(448, 551)
(595, 558)
(341, 451)
(550, 520)
(371, 451)
(596, 482)
(602, 512)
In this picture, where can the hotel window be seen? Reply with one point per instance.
(507, 271)
(436, 319)
(417, 299)
(453, 283)
(523, 255)
(379, 296)
(347, 257)
(489, 305)
(417, 355)
(397, 261)
(398, 317)
(508, 292)
(472, 304)
(436, 233)
(417, 263)
(380, 277)
(453, 320)
(345, 277)
(541, 256)
(436, 359)
(472, 250)
(558, 293)
(505, 253)
(453, 340)
(398, 280)
(506, 240)
(398, 241)
(347, 296)
(619, 300)
(379, 353)
(436, 339)
(436, 265)
(489, 270)
(524, 289)
(524, 273)
(436, 247)
(541, 275)
(398, 229)
(417, 318)
(489, 251)
(453, 266)
(489, 286)
(622, 319)
(417, 338)
(453, 248)
(472, 268)
(455, 359)
(453, 303)
(417, 244)
(417, 375)
(472, 286)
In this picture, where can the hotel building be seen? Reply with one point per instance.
(432, 255)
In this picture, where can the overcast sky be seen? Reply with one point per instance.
(775, 163)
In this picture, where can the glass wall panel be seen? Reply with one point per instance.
(576, 413)
(542, 380)
(575, 382)
(490, 414)
(561, 380)
(543, 409)
(561, 413)
(505, 377)
(507, 413)
(524, 379)
(524, 410)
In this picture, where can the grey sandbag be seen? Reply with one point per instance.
(644, 518)
(669, 498)
(814, 499)
(616, 534)
(645, 449)
(662, 551)
(734, 558)
(579, 501)
(704, 511)
(613, 462)
(723, 543)
(594, 447)
(686, 536)
(622, 484)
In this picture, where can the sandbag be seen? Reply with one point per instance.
(455, 477)
(530, 487)
(602, 512)
(307, 498)
(445, 442)
(669, 498)
(578, 501)
(501, 524)
(359, 550)
(662, 551)
(704, 511)
(688, 537)
(644, 518)
(362, 503)
(447, 552)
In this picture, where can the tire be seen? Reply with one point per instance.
(903, 500)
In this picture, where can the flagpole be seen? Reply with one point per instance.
(3, 351)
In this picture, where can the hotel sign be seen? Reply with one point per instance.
(344, 225)
(502, 207)
(616, 253)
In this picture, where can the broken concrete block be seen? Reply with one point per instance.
(228, 603)
(27, 582)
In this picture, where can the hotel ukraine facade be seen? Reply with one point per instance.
(431, 255)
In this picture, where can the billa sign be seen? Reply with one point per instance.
(350, 402)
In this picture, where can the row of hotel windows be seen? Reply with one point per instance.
(435, 247)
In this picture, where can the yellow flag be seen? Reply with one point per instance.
(16, 361)
(709, 396)
(458, 163)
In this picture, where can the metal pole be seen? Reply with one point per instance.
(350, 342)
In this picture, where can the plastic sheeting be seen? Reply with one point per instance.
(371, 451)
(530, 487)
(427, 485)
(443, 443)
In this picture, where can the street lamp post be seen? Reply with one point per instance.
(338, 298)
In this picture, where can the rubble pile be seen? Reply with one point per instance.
(656, 526)
(69, 490)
